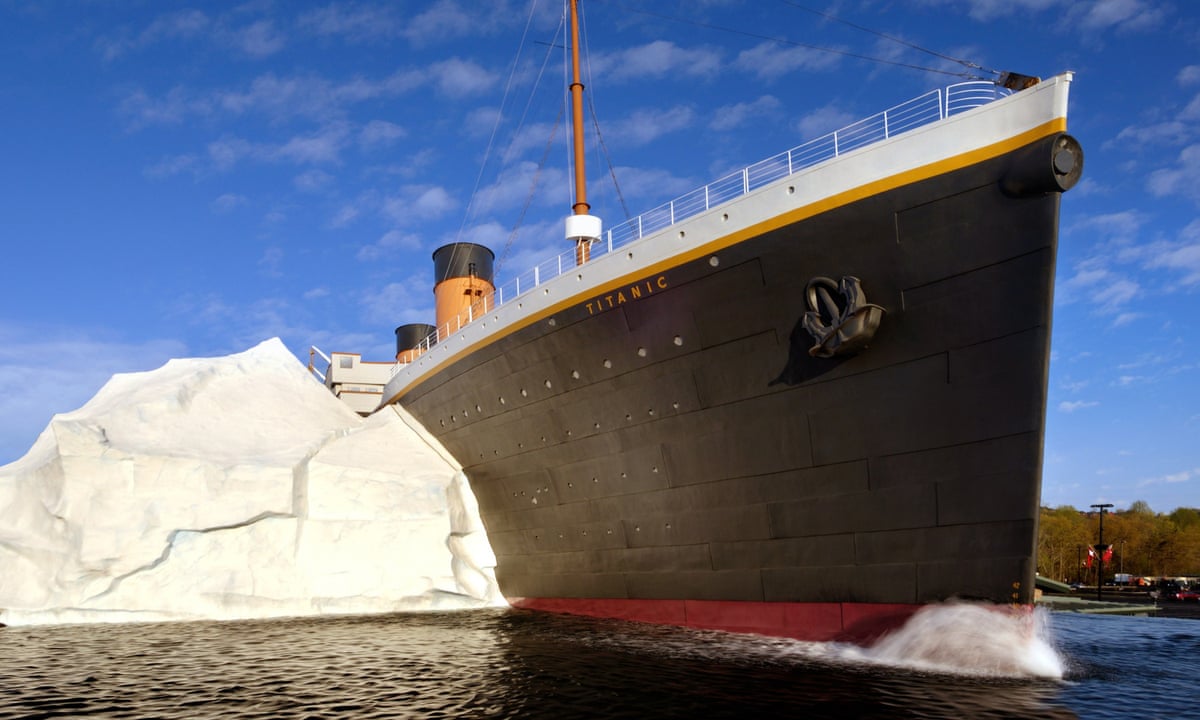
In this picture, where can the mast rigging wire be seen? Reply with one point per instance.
(892, 38)
(792, 43)
(467, 214)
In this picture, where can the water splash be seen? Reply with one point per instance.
(963, 639)
(970, 639)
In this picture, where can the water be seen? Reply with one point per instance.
(950, 663)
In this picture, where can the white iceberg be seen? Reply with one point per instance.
(235, 487)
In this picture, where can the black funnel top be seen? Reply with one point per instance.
(407, 336)
(460, 260)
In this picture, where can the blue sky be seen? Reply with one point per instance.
(188, 180)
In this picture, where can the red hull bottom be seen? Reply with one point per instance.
(859, 623)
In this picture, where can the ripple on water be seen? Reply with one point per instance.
(514, 664)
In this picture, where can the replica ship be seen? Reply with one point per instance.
(801, 401)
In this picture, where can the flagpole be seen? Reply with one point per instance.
(1100, 551)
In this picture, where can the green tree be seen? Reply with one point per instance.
(1145, 543)
(1062, 543)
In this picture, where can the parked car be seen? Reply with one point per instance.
(1171, 590)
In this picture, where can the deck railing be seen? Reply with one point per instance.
(922, 110)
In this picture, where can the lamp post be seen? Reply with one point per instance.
(1100, 550)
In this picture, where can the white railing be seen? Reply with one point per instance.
(928, 108)
(314, 351)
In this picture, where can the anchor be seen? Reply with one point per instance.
(841, 325)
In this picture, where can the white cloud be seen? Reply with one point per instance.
(647, 125)
(418, 202)
(656, 59)
(1073, 405)
(344, 216)
(323, 146)
(1171, 132)
(400, 302)
(170, 166)
(1111, 295)
(387, 244)
(822, 121)
(1125, 318)
(270, 261)
(514, 185)
(352, 21)
(729, 117)
(1108, 291)
(379, 133)
(1170, 478)
(458, 78)
(652, 184)
(1183, 256)
(443, 20)
(312, 181)
(258, 39)
(183, 24)
(227, 152)
(991, 9)
(140, 110)
(228, 202)
(1182, 179)
(1123, 15)
(770, 60)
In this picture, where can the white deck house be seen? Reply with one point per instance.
(357, 382)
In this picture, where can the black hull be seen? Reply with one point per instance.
(671, 439)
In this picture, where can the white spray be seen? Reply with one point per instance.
(970, 639)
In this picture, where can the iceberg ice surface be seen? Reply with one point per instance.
(234, 487)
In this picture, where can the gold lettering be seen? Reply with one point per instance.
(626, 294)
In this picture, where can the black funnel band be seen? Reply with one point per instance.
(408, 336)
(460, 260)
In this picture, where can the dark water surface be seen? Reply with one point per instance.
(515, 664)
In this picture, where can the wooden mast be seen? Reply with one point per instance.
(582, 227)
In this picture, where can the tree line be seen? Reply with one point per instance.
(1144, 543)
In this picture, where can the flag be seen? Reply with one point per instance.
(1091, 556)
(1106, 555)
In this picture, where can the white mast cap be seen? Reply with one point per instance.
(586, 227)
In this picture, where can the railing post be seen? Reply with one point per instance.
(835, 143)
(537, 275)
(672, 212)
(885, 125)
(706, 205)
(610, 239)
(790, 170)
(745, 181)
(639, 227)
